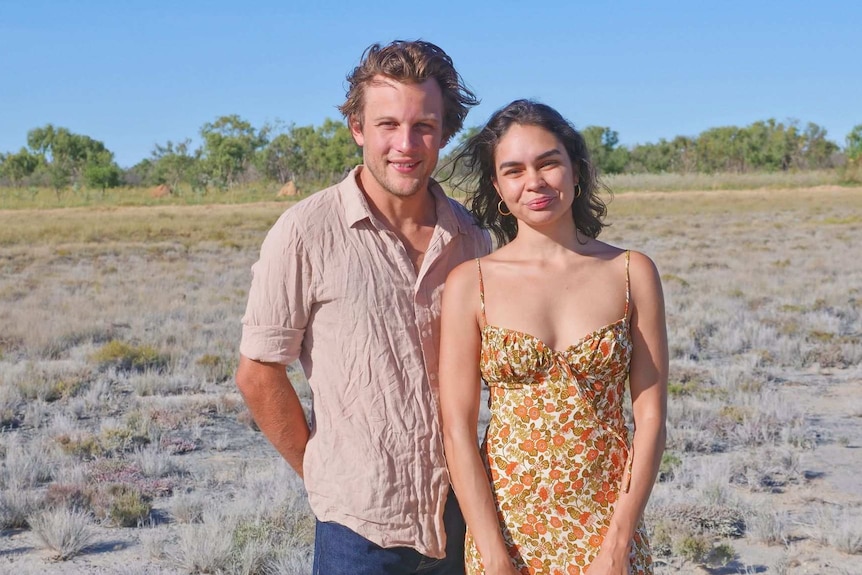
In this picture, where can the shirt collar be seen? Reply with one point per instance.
(356, 206)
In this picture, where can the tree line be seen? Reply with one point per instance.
(233, 152)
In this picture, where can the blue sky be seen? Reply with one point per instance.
(134, 74)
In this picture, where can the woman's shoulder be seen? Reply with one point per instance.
(636, 259)
(464, 273)
(644, 278)
(641, 264)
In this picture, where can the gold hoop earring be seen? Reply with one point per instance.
(500, 209)
(577, 191)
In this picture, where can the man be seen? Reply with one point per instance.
(349, 281)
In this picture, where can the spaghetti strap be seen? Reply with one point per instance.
(628, 288)
(481, 293)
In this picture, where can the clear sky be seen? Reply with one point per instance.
(136, 73)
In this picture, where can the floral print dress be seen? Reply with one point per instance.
(556, 449)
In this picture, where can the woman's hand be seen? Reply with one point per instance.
(610, 563)
(506, 568)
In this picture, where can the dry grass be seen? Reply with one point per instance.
(723, 181)
(64, 532)
(120, 329)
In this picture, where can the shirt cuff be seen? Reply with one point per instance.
(271, 344)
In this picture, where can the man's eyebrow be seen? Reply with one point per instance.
(430, 117)
(542, 156)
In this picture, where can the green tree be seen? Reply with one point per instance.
(339, 152)
(817, 150)
(316, 156)
(17, 167)
(174, 164)
(853, 143)
(607, 155)
(66, 155)
(141, 174)
(101, 172)
(230, 144)
(278, 160)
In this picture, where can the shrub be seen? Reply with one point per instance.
(85, 446)
(16, 507)
(214, 368)
(66, 532)
(669, 463)
(769, 527)
(126, 506)
(695, 548)
(127, 357)
(75, 497)
(204, 547)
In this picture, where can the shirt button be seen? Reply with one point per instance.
(433, 376)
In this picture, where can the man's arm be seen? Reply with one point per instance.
(275, 407)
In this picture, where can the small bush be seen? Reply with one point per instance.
(204, 547)
(769, 527)
(188, 508)
(126, 505)
(695, 548)
(16, 507)
(27, 464)
(66, 532)
(153, 462)
(669, 463)
(74, 497)
(85, 446)
(214, 368)
(127, 357)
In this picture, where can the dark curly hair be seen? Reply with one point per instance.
(411, 62)
(477, 156)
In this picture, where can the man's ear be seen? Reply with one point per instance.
(444, 141)
(356, 130)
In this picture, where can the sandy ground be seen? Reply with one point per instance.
(831, 398)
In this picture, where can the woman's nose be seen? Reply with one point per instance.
(535, 181)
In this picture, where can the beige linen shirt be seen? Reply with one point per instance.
(335, 288)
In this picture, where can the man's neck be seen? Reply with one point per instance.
(397, 212)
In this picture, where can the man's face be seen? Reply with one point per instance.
(401, 135)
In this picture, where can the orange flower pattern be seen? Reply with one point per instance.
(556, 448)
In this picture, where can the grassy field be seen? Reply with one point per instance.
(47, 198)
(125, 447)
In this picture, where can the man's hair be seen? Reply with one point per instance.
(410, 62)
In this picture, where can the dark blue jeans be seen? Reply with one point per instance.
(340, 551)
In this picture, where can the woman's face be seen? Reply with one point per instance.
(534, 176)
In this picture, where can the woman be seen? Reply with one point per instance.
(557, 487)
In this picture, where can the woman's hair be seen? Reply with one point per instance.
(410, 63)
(477, 156)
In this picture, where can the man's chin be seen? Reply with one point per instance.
(406, 187)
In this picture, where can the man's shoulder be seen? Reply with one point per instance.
(461, 212)
(318, 208)
(467, 222)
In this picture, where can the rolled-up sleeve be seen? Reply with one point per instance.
(279, 301)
